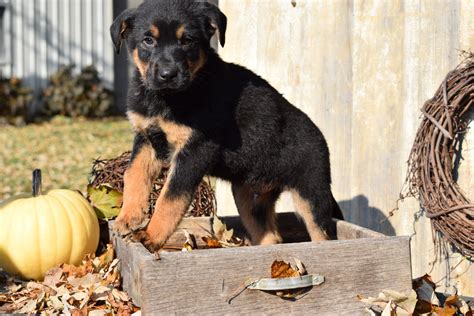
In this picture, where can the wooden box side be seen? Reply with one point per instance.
(200, 281)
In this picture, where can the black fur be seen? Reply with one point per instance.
(243, 130)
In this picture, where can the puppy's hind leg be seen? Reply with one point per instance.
(316, 209)
(257, 212)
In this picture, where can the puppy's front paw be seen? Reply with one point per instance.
(121, 226)
(152, 245)
(125, 225)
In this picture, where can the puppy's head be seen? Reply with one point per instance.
(169, 40)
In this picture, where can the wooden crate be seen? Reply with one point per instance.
(199, 282)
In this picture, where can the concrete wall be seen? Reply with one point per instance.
(361, 70)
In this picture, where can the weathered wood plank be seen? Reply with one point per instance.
(200, 281)
(132, 258)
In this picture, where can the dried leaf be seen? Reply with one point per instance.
(84, 282)
(299, 266)
(425, 289)
(105, 200)
(53, 277)
(29, 307)
(72, 290)
(119, 295)
(98, 313)
(281, 269)
(400, 304)
(220, 231)
(388, 310)
(190, 243)
(79, 296)
(105, 259)
(212, 242)
(445, 311)
(56, 302)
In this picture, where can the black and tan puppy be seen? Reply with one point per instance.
(205, 116)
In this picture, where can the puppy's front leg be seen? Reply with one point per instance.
(143, 168)
(187, 170)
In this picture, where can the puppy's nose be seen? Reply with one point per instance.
(166, 74)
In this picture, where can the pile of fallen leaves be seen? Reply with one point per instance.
(93, 288)
(422, 300)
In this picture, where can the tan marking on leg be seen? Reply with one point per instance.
(304, 209)
(155, 31)
(166, 217)
(138, 181)
(180, 32)
(259, 234)
(141, 65)
(194, 66)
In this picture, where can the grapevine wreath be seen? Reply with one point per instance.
(436, 154)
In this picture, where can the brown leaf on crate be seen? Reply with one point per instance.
(220, 231)
(221, 237)
(212, 242)
(282, 269)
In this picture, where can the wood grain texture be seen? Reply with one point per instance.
(199, 282)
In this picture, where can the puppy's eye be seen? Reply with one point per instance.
(186, 41)
(149, 41)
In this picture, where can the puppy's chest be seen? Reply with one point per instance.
(177, 135)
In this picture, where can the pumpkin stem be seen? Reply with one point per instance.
(36, 182)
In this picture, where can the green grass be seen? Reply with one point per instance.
(62, 148)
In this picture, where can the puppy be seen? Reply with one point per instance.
(204, 116)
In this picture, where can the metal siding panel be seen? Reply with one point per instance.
(42, 38)
(98, 35)
(53, 31)
(87, 28)
(29, 47)
(7, 68)
(65, 32)
(108, 56)
(17, 34)
(75, 33)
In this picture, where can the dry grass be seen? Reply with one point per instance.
(62, 148)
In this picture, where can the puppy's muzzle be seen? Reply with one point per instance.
(167, 74)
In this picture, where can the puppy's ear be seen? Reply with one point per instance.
(217, 18)
(121, 27)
